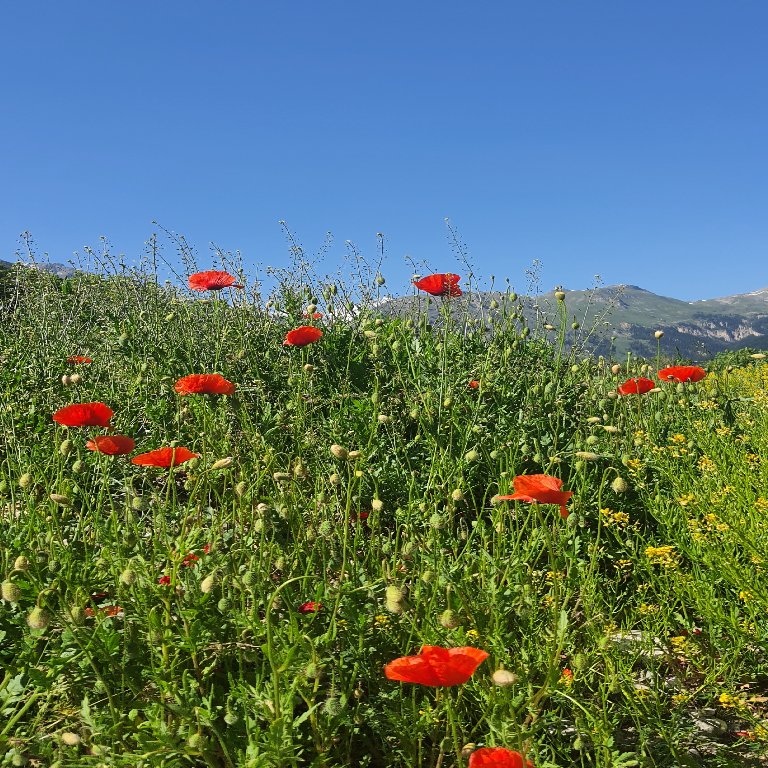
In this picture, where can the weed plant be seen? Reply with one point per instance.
(238, 609)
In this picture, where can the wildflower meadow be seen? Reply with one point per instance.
(294, 530)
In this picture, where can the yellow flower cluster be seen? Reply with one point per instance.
(648, 609)
(664, 556)
(678, 439)
(686, 499)
(706, 464)
(761, 504)
(612, 517)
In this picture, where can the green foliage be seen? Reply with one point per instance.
(175, 631)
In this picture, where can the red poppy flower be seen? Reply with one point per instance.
(84, 415)
(474, 384)
(682, 373)
(439, 285)
(164, 581)
(212, 280)
(164, 457)
(190, 559)
(111, 445)
(74, 359)
(310, 607)
(542, 488)
(497, 757)
(636, 386)
(436, 666)
(204, 384)
(301, 336)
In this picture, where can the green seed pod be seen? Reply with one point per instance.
(10, 592)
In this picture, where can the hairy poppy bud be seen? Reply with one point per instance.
(10, 592)
(75, 378)
(65, 448)
(377, 505)
(393, 593)
(309, 368)
(472, 455)
(382, 418)
(21, 563)
(548, 327)
(339, 452)
(66, 380)
(334, 479)
(38, 618)
(223, 463)
(449, 619)
(575, 325)
(615, 369)
(457, 494)
(503, 677)
(394, 606)
(240, 489)
(70, 739)
(78, 466)
(139, 504)
(354, 455)
(281, 477)
(494, 304)
(380, 279)
(25, 481)
(128, 577)
(208, 583)
(658, 334)
(60, 499)
(311, 309)
(619, 485)
(587, 455)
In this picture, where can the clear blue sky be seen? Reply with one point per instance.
(623, 139)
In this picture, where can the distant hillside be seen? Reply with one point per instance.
(623, 318)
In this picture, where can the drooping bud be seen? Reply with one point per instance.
(449, 619)
(658, 334)
(223, 463)
(60, 499)
(339, 452)
(25, 481)
(21, 563)
(10, 592)
(503, 677)
(38, 618)
(208, 583)
(377, 505)
(619, 485)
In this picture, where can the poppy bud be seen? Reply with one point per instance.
(240, 489)
(494, 304)
(281, 477)
(76, 614)
(616, 369)
(75, 378)
(66, 380)
(223, 463)
(21, 563)
(575, 325)
(139, 504)
(394, 593)
(611, 429)
(393, 606)
(334, 479)
(10, 592)
(25, 481)
(309, 368)
(472, 455)
(208, 583)
(548, 327)
(468, 749)
(38, 618)
(587, 455)
(593, 420)
(60, 499)
(449, 619)
(123, 339)
(69, 739)
(436, 521)
(658, 334)
(339, 452)
(311, 309)
(65, 448)
(457, 494)
(354, 455)
(428, 576)
(525, 333)
(560, 295)
(370, 334)
(377, 505)
(503, 677)
(592, 440)
(619, 485)
(128, 577)
(382, 418)
(78, 466)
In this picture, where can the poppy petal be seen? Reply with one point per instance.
(301, 336)
(84, 415)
